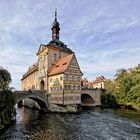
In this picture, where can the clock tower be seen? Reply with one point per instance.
(55, 28)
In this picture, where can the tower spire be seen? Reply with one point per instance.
(55, 14)
(55, 27)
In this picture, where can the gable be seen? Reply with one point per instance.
(41, 48)
(74, 67)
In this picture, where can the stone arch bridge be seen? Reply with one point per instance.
(89, 97)
(38, 96)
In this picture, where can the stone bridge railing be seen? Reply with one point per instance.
(37, 93)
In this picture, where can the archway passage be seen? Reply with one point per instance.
(87, 100)
(38, 96)
(42, 105)
(42, 85)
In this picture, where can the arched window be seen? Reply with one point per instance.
(42, 85)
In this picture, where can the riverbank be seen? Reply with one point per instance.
(3, 128)
(8, 112)
(128, 107)
(110, 100)
(5, 120)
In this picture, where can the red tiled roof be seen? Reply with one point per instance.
(31, 69)
(61, 65)
(87, 84)
(33, 66)
(100, 79)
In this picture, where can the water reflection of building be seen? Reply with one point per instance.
(56, 71)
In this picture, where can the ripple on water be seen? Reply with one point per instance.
(89, 125)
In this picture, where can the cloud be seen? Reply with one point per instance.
(103, 34)
(16, 61)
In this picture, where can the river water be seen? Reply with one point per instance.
(95, 124)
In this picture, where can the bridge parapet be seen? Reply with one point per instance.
(35, 92)
(92, 91)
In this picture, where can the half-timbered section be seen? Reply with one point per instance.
(65, 81)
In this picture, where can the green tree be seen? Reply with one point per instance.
(125, 88)
(7, 110)
(5, 79)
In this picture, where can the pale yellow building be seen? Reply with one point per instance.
(100, 82)
(57, 71)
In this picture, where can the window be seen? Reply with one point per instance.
(60, 87)
(66, 77)
(72, 78)
(78, 78)
(61, 78)
(65, 87)
(69, 87)
(79, 87)
(55, 57)
(50, 79)
(51, 88)
(65, 63)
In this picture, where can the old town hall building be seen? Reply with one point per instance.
(57, 71)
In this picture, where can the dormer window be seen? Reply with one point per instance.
(65, 63)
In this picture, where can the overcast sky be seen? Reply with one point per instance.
(104, 34)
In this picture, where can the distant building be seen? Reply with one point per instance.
(99, 83)
(87, 84)
(57, 71)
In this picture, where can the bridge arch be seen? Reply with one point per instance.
(40, 98)
(87, 100)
